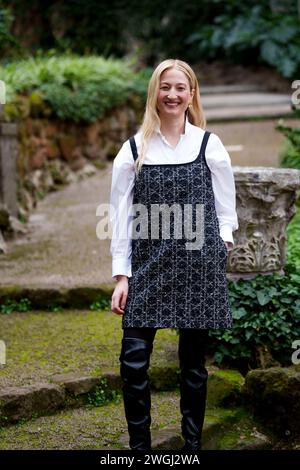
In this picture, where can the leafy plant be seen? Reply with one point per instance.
(24, 305)
(293, 245)
(251, 34)
(266, 312)
(101, 304)
(55, 308)
(72, 87)
(102, 395)
(290, 158)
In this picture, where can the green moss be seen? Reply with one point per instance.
(41, 344)
(266, 382)
(224, 387)
(229, 439)
(214, 415)
(232, 375)
(241, 434)
(229, 429)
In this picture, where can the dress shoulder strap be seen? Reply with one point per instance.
(133, 148)
(204, 142)
(202, 149)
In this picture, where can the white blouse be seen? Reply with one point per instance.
(160, 151)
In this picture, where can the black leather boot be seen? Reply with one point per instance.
(135, 359)
(193, 386)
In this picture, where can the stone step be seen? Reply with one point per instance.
(40, 295)
(247, 113)
(105, 428)
(242, 106)
(219, 433)
(224, 89)
(73, 390)
(228, 425)
(233, 100)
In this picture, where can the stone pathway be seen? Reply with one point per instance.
(61, 247)
(252, 143)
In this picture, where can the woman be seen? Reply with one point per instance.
(166, 279)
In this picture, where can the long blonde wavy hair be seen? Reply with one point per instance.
(151, 118)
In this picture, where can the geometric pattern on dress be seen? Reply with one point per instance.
(170, 286)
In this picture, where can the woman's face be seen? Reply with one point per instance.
(174, 94)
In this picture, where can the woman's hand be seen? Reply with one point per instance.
(119, 297)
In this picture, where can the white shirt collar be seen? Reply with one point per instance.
(187, 128)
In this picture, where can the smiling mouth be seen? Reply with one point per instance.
(170, 103)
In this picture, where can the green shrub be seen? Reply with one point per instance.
(249, 32)
(75, 88)
(290, 158)
(293, 238)
(252, 34)
(266, 313)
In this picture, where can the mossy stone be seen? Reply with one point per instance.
(224, 387)
(274, 396)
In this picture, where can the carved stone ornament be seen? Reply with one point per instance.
(265, 205)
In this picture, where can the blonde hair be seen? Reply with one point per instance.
(151, 118)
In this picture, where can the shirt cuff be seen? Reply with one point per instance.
(121, 266)
(226, 235)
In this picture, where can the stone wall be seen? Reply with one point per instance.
(52, 153)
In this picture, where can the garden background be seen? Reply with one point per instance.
(76, 75)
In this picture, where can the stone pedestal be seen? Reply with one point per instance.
(265, 205)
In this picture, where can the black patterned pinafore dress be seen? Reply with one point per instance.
(172, 286)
